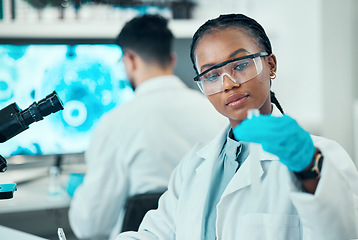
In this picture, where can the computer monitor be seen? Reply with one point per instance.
(88, 77)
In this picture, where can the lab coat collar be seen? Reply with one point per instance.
(243, 177)
(168, 82)
(214, 147)
(211, 151)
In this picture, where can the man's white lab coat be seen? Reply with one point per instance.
(135, 148)
(281, 211)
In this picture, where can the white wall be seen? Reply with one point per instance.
(339, 61)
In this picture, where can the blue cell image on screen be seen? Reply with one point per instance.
(88, 78)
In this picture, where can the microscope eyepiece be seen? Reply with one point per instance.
(13, 120)
(37, 111)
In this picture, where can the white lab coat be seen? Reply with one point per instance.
(281, 211)
(135, 148)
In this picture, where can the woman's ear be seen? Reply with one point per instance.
(272, 64)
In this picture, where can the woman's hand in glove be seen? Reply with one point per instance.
(281, 136)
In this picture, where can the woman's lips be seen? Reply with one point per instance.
(236, 100)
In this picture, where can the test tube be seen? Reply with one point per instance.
(255, 150)
(61, 234)
(54, 186)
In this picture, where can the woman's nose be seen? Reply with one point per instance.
(228, 82)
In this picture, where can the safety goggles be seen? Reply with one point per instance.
(239, 70)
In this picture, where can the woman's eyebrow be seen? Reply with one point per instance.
(206, 66)
(230, 56)
(238, 51)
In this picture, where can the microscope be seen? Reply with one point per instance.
(13, 121)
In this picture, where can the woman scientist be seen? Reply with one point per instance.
(308, 184)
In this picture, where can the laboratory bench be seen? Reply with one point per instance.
(9, 233)
(34, 209)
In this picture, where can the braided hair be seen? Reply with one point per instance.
(249, 25)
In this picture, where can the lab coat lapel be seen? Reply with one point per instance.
(203, 174)
(242, 178)
(209, 155)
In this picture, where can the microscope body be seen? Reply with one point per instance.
(11, 122)
(14, 121)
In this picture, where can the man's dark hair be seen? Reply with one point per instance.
(148, 36)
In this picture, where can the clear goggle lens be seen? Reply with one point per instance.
(239, 71)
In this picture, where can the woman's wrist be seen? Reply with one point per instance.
(310, 166)
(313, 171)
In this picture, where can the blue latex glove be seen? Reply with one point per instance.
(74, 180)
(281, 136)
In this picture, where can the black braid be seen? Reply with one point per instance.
(251, 27)
(275, 101)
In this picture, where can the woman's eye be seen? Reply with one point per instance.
(241, 65)
(212, 78)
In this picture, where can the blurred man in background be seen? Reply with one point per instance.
(136, 146)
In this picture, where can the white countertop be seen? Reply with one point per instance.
(32, 195)
(31, 174)
(8, 233)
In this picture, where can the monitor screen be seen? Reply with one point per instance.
(88, 78)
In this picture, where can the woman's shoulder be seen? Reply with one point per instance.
(203, 152)
(320, 140)
(330, 147)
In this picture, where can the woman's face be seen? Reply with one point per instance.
(235, 99)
